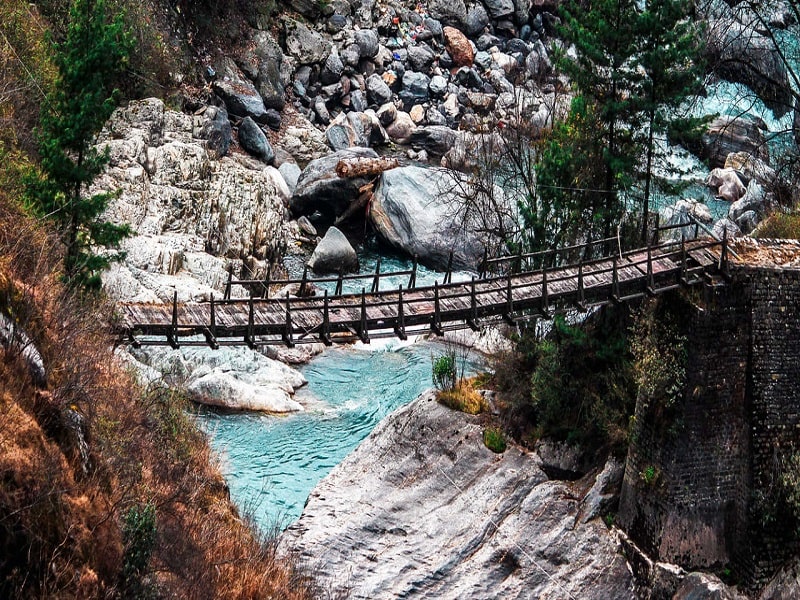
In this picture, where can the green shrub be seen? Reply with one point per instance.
(581, 386)
(494, 439)
(139, 537)
(443, 371)
(779, 225)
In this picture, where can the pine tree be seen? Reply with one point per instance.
(669, 55)
(604, 73)
(89, 60)
(635, 66)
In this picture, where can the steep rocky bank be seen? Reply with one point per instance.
(422, 509)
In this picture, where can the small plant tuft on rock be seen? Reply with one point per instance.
(494, 439)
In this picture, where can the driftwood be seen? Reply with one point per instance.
(349, 168)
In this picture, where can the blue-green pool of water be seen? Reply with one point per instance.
(271, 463)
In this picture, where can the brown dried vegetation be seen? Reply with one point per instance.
(63, 503)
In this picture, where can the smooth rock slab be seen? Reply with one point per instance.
(422, 509)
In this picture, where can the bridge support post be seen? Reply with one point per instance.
(249, 337)
(227, 294)
(302, 291)
(288, 333)
(325, 336)
(172, 336)
(723, 255)
(581, 300)
(376, 282)
(363, 331)
(684, 281)
(436, 323)
(400, 326)
(265, 291)
(545, 304)
(211, 333)
(338, 290)
(472, 320)
(507, 314)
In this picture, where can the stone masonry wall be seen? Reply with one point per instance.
(694, 470)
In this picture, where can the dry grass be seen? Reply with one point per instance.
(61, 509)
(464, 397)
(779, 225)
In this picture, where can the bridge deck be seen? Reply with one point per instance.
(438, 308)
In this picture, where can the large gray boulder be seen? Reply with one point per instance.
(304, 44)
(254, 141)
(413, 209)
(269, 61)
(217, 131)
(449, 12)
(333, 254)
(321, 189)
(231, 378)
(238, 93)
(726, 184)
(422, 509)
(738, 52)
(499, 8)
(726, 134)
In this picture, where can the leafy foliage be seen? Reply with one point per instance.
(659, 350)
(494, 439)
(444, 372)
(580, 382)
(139, 538)
(88, 61)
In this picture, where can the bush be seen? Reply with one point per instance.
(494, 439)
(139, 537)
(443, 371)
(581, 387)
(779, 225)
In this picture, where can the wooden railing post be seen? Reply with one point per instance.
(723, 255)
(249, 337)
(581, 294)
(227, 294)
(400, 326)
(448, 276)
(172, 337)
(472, 321)
(650, 281)
(288, 330)
(412, 281)
(325, 336)
(265, 291)
(338, 291)
(684, 267)
(211, 335)
(436, 323)
(656, 232)
(482, 266)
(545, 304)
(302, 291)
(376, 282)
(615, 297)
(509, 302)
(363, 332)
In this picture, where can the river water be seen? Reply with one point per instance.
(272, 463)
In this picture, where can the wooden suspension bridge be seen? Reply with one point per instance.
(519, 292)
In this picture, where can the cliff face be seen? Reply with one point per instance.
(423, 509)
(719, 458)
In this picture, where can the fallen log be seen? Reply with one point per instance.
(349, 168)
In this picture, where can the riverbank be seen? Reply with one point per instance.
(423, 509)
